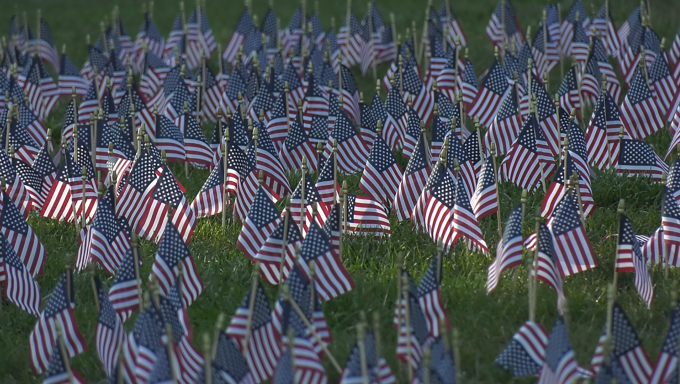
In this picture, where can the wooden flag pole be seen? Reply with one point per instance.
(559, 22)
(343, 228)
(207, 363)
(83, 207)
(576, 186)
(286, 219)
(225, 172)
(312, 294)
(621, 211)
(492, 151)
(218, 329)
(186, 161)
(565, 162)
(92, 271)
(171, 352)
(371, 29)
(303, 317)
(361, 334)
(64, 353)
(407, 320)
(427, 372)
(251, 307)
(414, 32)
(664, 247)
(336, 197)
(135, 256)
(424, 41)
(303, 190)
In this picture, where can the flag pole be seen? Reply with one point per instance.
(423, 39)
(407, 320)
(414, 32)
(135, 257)
(400, 62)
(219, 323)
(348, 34)
(576, 186)
(303, 317)
(362, 352)
(503, 35)
(343, 228)
(92, 271)
(498, 196)
(666, 258)
(207, 355)
(225, 175)
(370, 30)
(302, 197)
(312, 294)
(426, 365)
(251, 307)
(565, 164)
(84, 177)
(532, 257)
(64, 354)
(559, 50)
(186, 161)
(621, 211)
(284, 245)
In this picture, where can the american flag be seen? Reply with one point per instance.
(573, 249)
(175, 41)
(40, 88)
(416, 331)
(504, 25)
(350, 94)
(349, 41)
(297, 145)
(248, 187)
(89, 105)
(169, 138)
(139, 186)
(465, 223)
(568, 23)
(433, 212)
(277, 127)
(603, 131)
(171, 252)
(69, 78)
(123, 294)
(396, 119)
(441, 367)
(484, 201)
(529, 148)
(370, 117)
(47, 51)
(509, 249)
(285, 370)
(423, 101)
(382, 175)
(235, 86)
(449, 76)
(639, 111)
(666, 367)
(591, 80)
(275, 179)
(545, 47)
(57, 373)
(264, 101)
(548, 119)
(110, 334)
(209, 201)
(430, 298)
(413, 180)
(365, 215)
(352, 151)
(662, 83)
(59, 309)
(377, 368)
(455, 30)
(198, 151)
(506, 124)
(670, 224)
(557, 188)
(18, 176)
(652, 248)
(20, 288)
(440, 131)
(387, 49)
(325, 182)
(259, 224)
(468, 84)
(368, 48)
(606, 27)
(230, 365)
(560, 366)
(490, 94)
(28, 126)
(546, 264)
(154, 75)
(525, 354)
(270, 254)
(213, 95)
(600, 55)
(568, 91)
(331, 278)
(149, 35)
(412, 134)
(629, 259)
(637, 157)
(578, 46)
(166, 194)
(108, 239)
(59, 202)
(628, 359)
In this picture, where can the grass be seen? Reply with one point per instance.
(486, 322)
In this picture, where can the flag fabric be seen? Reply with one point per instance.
(259, 224)
(377, 368)
(560, 366)
(603, 132)
(415, 329)
(268, 161)
(504, 25)
(143, 345)
(430, 297)
(172, 251)
(365, 215)
(44, 45)
(141, 182)
(468, 84)
(509, 249)
(525, 354)
(109, 334)
(20, 288)
(639, 111)
(546, 265)
(423, 100)
(20, 236)
(605, 27)
(413, 133)
(629, 259)
(169, 138)
(56, 370)
(382, 175)
(59, 309)
(394, 125)
(352, 151)
(490, 94)
(69, 78)
(670, 227)
(529, 160)
(124, 293)
(465, 223)
(413, 180)
(441, 366)
(637, 157)
(433, 211)
(568, 92)
(666, 366)
(573, 249)
(506, 124)
(296, 146)
(331, 278)
(662, 83)
(270, 254)
(198, 151)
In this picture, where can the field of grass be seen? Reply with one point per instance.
(486, 323)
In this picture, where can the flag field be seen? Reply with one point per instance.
(486, 322)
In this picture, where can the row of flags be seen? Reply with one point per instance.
(290, 104)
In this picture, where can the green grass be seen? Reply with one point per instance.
(486, 322)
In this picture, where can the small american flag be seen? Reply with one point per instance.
(331, 277)
(639, 111)
(423, 102)
(568, 91)
(285, 370)
(666, 368)
(529, 160)
(45, 43)
(506, 124)
(418, 334)
(108, 240)
(662, 83)
(412, 134)
(21, 183)
(557, 189)
(509, 249)
(628, 359)
(270, 253)
(20, 287)
(275, 179)
(235, 86)
(263, 101)
(169, 138)
(433, 212)
(69, 78)
(629, 259)
(396, 119)
(468, 84)
(602, 131)
(259, 224)
(573, 249)
(465, 223)
(57, 372)
(350, 94)
(546, 264)
(123, 294)
(430, 297)
(110, 334)
(365, 215)
(349, 41)
(513, 31)
(525, 354)
(139, 186)
(490, 94)
(382, 174)
(638, 157)
(59, 309)
(297, 145)
(545, 46)
(441, 365)
(198, 151)
(244, 27)
(277, 127)
(560, 366)
(171, 252)
(484, 201)
(670, 224)
(230, 364)
(249, 185)
(591, 79)
(413, 180)
(352, 151)
(377, 368)
(605, 26)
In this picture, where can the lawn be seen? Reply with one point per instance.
(486, 323)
